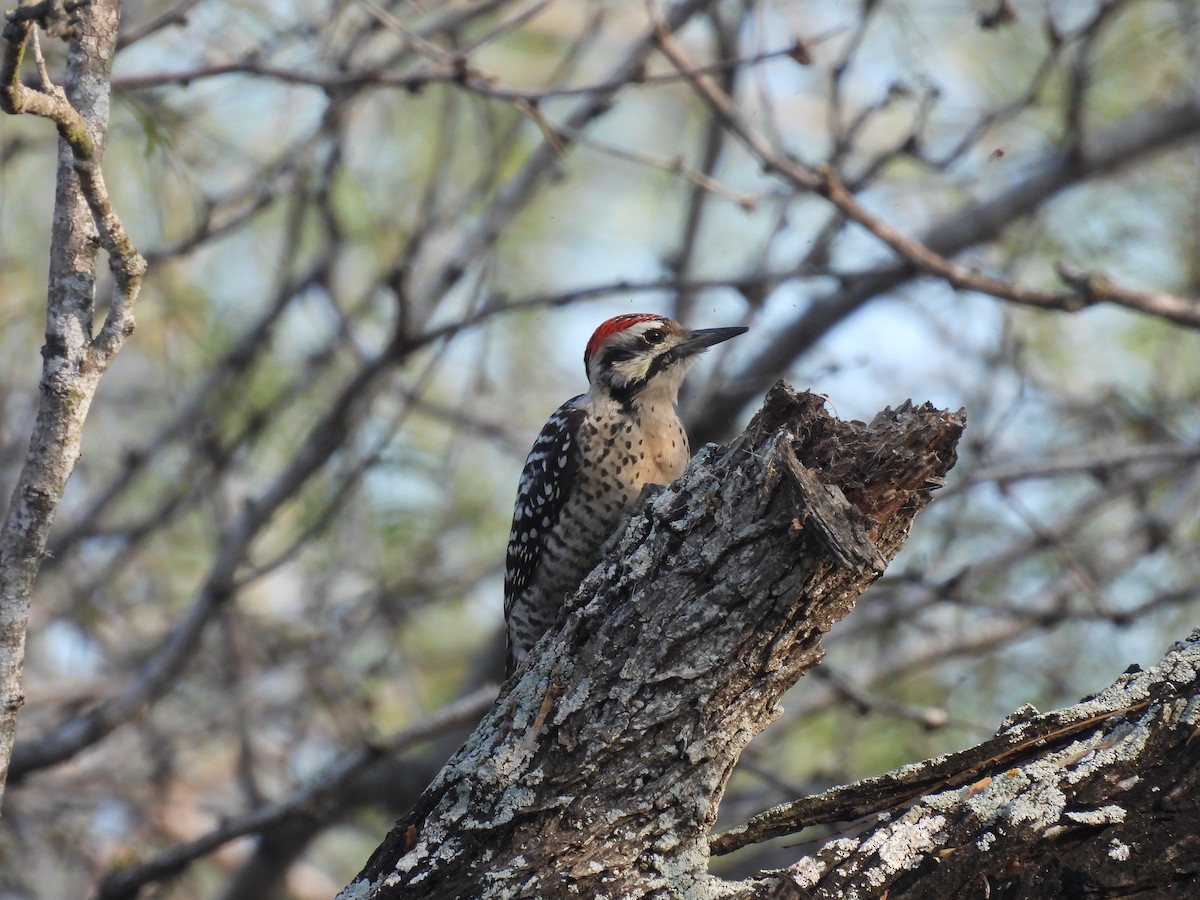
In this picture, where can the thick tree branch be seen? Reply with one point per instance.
(1028, 735)
(601, 768)
(1096, 800)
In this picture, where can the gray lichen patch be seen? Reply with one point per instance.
(513, 801)
(904, 844)
(577, 698)
(1028, 796)
(1190, 714)
(356, 890)
(683, 874)
(808, 871)
(1118, 850)
(1105, 815)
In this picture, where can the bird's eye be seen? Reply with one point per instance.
(654, 336)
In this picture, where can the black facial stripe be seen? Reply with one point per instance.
(658, 364)
(615, 355)
(625, 393)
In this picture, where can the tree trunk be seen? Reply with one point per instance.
(599, 770)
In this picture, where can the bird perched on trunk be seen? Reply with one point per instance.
(591, 460)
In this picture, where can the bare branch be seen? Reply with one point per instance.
(1140, 134)
(74, 360)
(826, 182)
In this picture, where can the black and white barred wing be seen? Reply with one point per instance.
(550, 470)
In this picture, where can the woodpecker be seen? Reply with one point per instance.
(591, 461)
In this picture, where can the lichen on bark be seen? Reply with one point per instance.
(601, 767)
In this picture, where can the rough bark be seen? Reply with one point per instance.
(599, 771)
(74, 357)
(1101, 799)
(600, 768)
